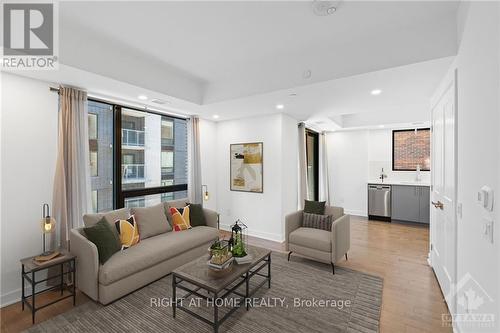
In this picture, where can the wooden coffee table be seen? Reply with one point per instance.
(219, 285)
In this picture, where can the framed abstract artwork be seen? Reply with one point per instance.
(247, 167)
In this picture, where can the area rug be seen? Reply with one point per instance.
(304, 297)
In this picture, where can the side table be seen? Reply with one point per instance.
(28, 270)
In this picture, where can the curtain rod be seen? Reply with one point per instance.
(174, 115)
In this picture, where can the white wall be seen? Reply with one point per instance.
(208, 143)
(348, 166)
(28, 154)
(263, 213)
(356, 157)
(478, 63)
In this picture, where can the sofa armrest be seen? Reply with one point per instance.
(211, 217)
(87, 263)
(341, 237)
(292, 222)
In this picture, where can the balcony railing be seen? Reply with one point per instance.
(131, 172)
(132, 137)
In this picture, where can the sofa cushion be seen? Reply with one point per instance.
(106, 241)
(151, 220)
(196, 215)
(180, 218)
(178, 203)
(154, 250)
(111, 217)
(314, 207)
(128, 230)
(323, 222)
(311, 238)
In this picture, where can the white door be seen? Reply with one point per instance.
(443, 195)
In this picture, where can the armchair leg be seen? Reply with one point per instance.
(333, 268)
(346, 256)
(289, 253)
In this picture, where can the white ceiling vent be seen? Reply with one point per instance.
(159, 101)
(325, 7)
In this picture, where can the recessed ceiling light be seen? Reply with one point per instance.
(215, 116)
(280, 106)
(142, 97)
(381, 126)
(376, 92)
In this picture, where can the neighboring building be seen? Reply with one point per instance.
(154, 153)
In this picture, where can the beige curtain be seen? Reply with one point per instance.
(324, 179)
(194, 158)
(71, 196)
(303, 192)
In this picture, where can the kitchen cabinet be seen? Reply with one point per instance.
(410, 203)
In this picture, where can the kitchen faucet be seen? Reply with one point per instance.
(382, 175)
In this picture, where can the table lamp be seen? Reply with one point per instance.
(48, 226)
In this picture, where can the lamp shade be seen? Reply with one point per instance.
(47, 224)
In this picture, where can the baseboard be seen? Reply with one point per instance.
(11, 297)
(259, 234)
(355, 212)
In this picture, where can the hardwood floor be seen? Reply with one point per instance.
(412, 300)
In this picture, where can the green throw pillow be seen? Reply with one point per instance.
(196, 215)
(106, 240)
(314, 207)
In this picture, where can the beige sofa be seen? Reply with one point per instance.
(141, 264)
(320, 245)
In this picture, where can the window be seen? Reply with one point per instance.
(92, 126)
(101, 155)
(93, 164)
(167, 162)
(167, 131)
(94, 201)
(410, 148)
(312, 153)
(135, 161)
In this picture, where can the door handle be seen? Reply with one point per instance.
(438, 204)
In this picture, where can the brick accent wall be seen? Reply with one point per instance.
(411, 148)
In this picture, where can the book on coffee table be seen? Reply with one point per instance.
(244, 260)
(221, 267)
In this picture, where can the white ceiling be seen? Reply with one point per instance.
(405, 96)
(240, 58)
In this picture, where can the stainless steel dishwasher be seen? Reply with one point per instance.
(379, 202)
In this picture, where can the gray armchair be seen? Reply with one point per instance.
(320, 245)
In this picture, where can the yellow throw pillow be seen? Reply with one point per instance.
(128, 231)
(180, 221)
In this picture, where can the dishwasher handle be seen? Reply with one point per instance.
(379, 187)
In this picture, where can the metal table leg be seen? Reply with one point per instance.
(74, 282)
(33, 306)
(216, 314)
(247, 291)
(174, 306)
(62, 278)
(269, 271)
(22, 286)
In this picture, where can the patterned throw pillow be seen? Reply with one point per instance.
(128, 231)
(316, 221)
(180, 218)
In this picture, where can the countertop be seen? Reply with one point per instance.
(398, 182)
